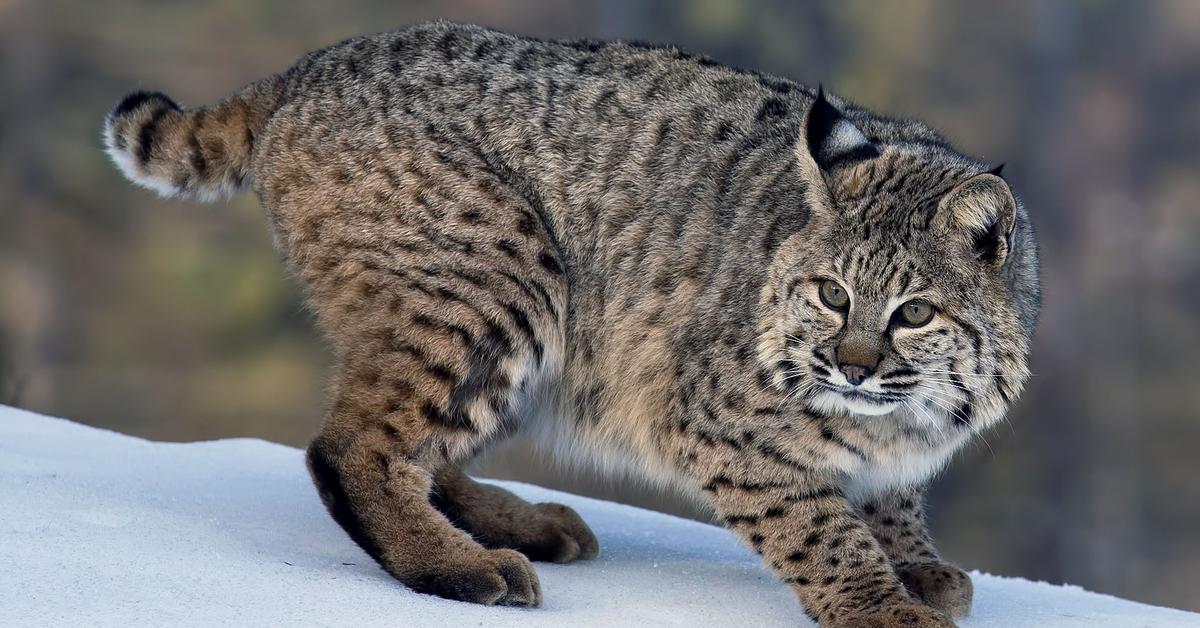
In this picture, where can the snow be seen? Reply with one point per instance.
(111, 530)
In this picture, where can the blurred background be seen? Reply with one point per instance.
(177, 321)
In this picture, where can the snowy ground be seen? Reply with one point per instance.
(101, 529)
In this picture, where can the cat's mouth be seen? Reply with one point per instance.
(832, 398)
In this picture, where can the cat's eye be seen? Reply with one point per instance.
(916, 313)
(833, 295)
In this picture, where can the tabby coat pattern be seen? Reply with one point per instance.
(762, 295)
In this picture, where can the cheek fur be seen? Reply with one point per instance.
(936, 343)
(805, 330)
(811, 321)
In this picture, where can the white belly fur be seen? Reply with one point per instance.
(897, 468)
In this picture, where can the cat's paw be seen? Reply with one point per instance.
(501, 577)
(940, 585)
(558, 534)
(895, 616)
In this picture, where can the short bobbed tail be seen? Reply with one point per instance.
(201, 154)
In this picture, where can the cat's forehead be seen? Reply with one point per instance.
(884, 267)
(894, 255)
(886, 206)
(904, 181)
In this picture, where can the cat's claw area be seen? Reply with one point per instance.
(501, 577)
(940, 585)
(118, 531)
(562, 536)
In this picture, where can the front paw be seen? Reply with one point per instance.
(894, 616)
(940, 585)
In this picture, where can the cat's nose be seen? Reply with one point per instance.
(858, 355)
(855, 373)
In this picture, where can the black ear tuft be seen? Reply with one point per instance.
(832, 138)
(998, 170)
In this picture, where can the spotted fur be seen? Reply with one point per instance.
(616, 249)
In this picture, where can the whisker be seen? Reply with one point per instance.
(925, 414)
(949, 404)
(956, 413)
(963, 374)
(945, 403)
(955, 384)
(801, 389)
(987, 444)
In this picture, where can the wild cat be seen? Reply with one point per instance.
(760, 294)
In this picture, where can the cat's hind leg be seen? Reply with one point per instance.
(374, 464)
(443, 292)
(434, 355)
(429, 374)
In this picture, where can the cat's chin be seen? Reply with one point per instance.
(832, 402)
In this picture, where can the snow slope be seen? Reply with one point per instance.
(101, 529)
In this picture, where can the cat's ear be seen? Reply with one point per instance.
(827, 138)
(830, 138)
(982, 212)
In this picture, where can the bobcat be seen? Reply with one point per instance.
(750, 290)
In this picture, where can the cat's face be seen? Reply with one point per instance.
(880, 324)
(911, 294)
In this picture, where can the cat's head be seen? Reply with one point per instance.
(912, 291)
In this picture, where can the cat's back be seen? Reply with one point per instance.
(439, 66)
(387, 110)
(466, 77)
(442, 48)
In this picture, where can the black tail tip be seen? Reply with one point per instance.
(139, 99)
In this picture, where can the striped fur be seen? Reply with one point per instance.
(202, 154)
(617, 249)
